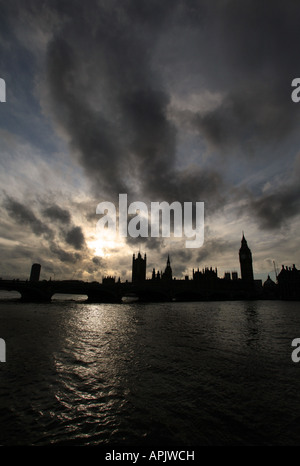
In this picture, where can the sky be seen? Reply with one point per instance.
(180, 100)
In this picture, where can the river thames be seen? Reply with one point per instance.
(176, 374)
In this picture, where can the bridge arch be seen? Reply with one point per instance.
(9, 294)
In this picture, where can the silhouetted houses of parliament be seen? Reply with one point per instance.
(138, 268)
(205, 281)
(165, 276)
(289, 283)
(206, 284)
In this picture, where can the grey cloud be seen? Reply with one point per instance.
(63, 255)
(25, 216)
(98, 261)
(75, 238)
(146, 243)
(57, 214)
(93, 136)
(275, 210)
(183, 255)
(213, 246)
(96, 266)
(248, 117)
(179, 260)
(123, 136)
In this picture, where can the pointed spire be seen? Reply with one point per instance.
(244, 241)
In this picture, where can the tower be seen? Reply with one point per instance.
(168, 270)
(35, 273)
(246, 261)
(138, 268)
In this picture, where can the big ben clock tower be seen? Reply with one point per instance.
(246, 262)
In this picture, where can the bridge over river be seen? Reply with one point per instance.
(146, 291)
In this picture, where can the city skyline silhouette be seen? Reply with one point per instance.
(203, 285)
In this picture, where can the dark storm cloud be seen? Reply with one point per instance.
(57, 214)
(143, 143)
(183, 255)
(63, 255)
(213, 247)
(276, 210)
(179, 260)
(153, 136)
(96, 265)
(98, 261)
(75, 238)
(92, 135)
(123, 136)
(249, 117)
(255, 61)
(113, 68)
(116, 113)
(146, 243)
(23, 215)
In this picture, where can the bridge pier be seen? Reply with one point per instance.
(32, 294)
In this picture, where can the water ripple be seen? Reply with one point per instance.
(176, 374)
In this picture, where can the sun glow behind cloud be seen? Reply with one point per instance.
(105, 245)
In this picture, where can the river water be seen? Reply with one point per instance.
(192, 374)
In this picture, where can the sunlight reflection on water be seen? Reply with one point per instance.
(175, 373)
